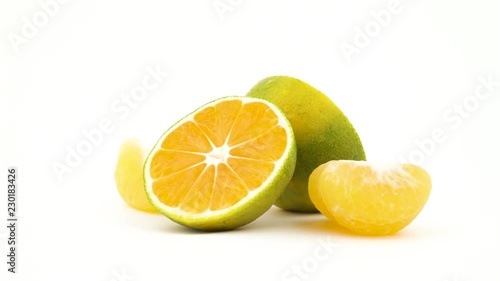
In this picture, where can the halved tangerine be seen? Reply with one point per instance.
(223, 165)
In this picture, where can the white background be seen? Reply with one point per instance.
(396, 91)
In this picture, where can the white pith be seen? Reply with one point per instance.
(218, 155)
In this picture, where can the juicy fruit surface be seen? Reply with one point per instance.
(128, 176)
(223, 165)
(322, 132)
(370, 199)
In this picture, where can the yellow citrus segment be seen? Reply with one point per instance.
(217, 121)
(368, 198)
(267, 147)
(187, 137)
(207, 169)
(228, 189)
(252, 172)
(172, 189)
(181, 159)
(129, 177)
(253, 120)
(198, 199)
(314, 192)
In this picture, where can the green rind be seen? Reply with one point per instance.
(329, 135)
(249, 210)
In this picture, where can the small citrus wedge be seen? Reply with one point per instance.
(369, 199)
(128, 176)
(223, 165)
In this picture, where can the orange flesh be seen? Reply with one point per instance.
(214, 161)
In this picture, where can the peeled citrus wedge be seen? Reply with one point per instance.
(223, 165)
(369, 199)
(129, 178)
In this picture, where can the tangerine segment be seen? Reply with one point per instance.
(181, 159)
(252, 172)
(214, 159)
(172, 189)
(315, 180)
(217, 121)
(187, 137)
(197, 200)
(228, 189)
(371, 199)
(253, 120)
(266, 147)
(129, 176)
